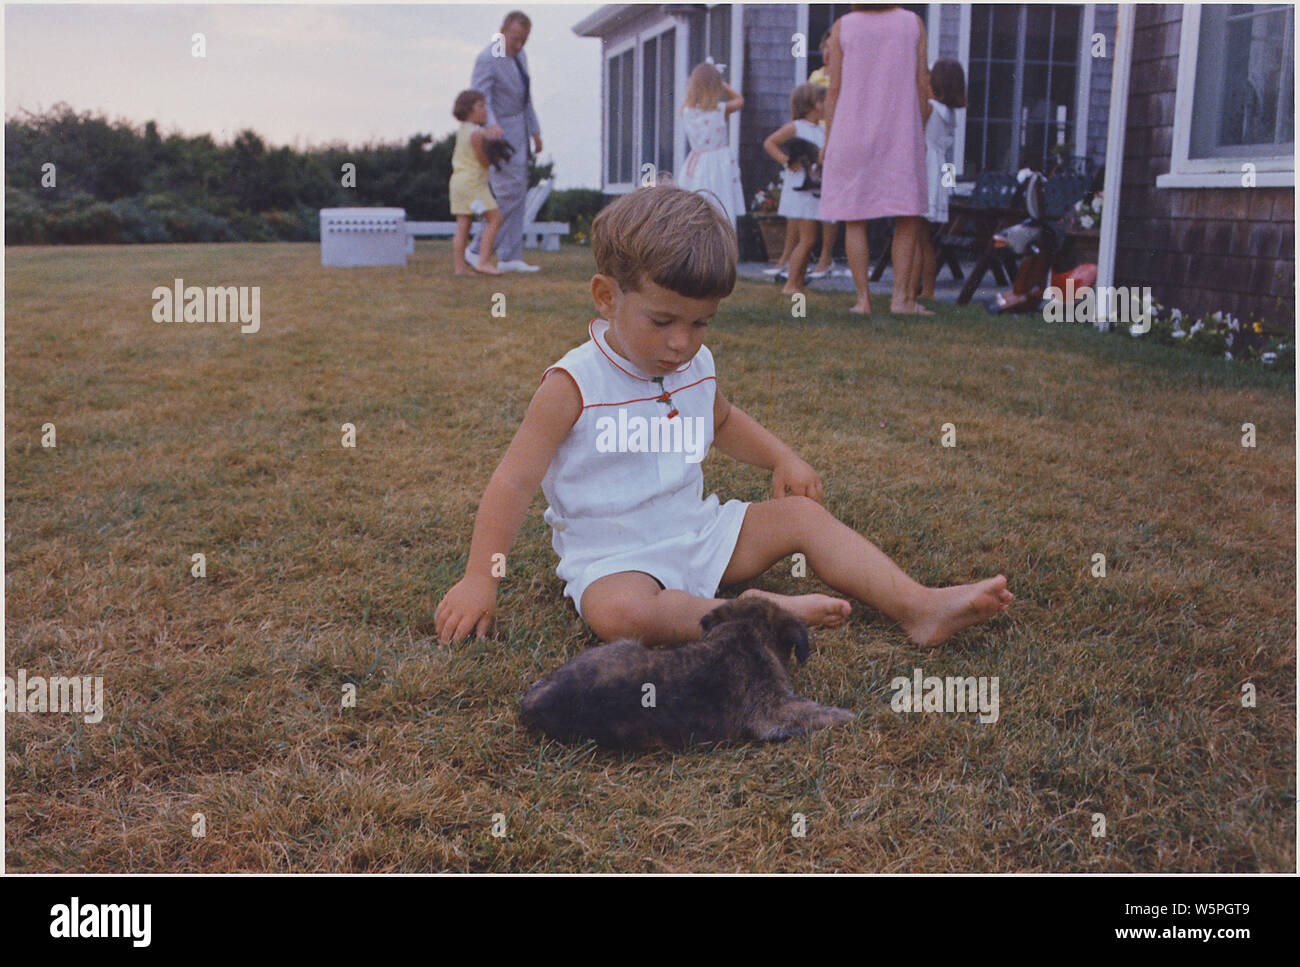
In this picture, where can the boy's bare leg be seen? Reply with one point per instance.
(850, 563)
(631, 604)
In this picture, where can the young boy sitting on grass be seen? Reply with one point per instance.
(614, 436)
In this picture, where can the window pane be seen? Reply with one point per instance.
(1243, 104)
(981, 38)
(720, 37)
(1006, 22)
(1065, 33)
(611, 147)
(999, 154)
(1002, 90)
(1038, 30)
(668, 97)
(1254, 69)
(975, 92)
(697, 50)
(649, 98)
(626, 109)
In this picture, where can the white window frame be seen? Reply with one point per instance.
(1275, 171)
(614, 50)
(639, 71)
(635, 42)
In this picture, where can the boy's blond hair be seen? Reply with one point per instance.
(675, 238)
(804, 98)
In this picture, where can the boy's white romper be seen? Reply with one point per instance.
(617, 501)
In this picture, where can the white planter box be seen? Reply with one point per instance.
(363, 236)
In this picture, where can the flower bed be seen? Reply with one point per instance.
(1218, 334)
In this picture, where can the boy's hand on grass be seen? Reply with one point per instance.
(467, 607)
(794, 478)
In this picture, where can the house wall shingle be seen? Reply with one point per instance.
(769, 79)
(1199, 249)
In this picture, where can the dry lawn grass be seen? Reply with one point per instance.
(1119, 695)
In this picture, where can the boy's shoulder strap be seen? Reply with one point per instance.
(583, 363)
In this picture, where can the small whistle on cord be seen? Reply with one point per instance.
(666, 399)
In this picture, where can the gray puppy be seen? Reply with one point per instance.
(729, 686)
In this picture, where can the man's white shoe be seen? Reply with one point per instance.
(517, 265)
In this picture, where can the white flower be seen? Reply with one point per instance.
(1268, 359)
(1087, 221)
(1136, 330)
(1178, 334)
(1227, 355)
(1176, 314)
(1196, 328)
(1233, 323)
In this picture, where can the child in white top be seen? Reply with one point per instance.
(799, 206)
(711, 166)
(642, 552)
(948, 83)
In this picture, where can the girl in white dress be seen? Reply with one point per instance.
(800, 207)
(711, 166)
(948, 82)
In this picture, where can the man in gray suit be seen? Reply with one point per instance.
(501, 73)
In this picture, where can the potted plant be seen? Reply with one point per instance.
(1083, 223)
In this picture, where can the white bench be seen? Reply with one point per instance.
(543, 235)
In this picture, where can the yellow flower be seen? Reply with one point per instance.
(1258, 327)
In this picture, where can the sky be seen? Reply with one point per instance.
(301, 74)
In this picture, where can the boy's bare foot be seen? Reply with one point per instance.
(790, 291)
(861, 308)
(488, 269)
(465, 270)
(814, 610)
(947, 611)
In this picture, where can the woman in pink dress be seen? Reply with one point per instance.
(874, 160)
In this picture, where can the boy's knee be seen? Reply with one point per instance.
(802, 508)
(614, 617)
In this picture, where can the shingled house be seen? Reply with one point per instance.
(1205, 212)
(1035, 78)
(1207, 199)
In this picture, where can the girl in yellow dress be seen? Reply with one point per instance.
(470, 194)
